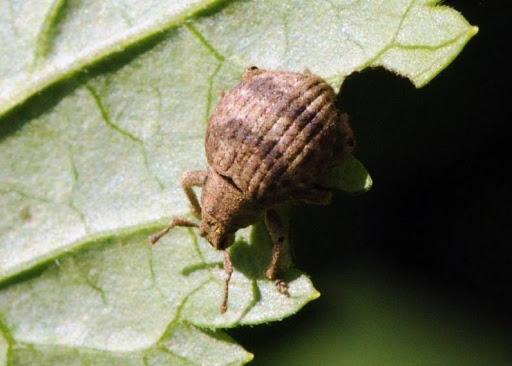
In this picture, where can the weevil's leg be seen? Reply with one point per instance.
(228, 268)
(350, 142)
(315, 197)
(194, 178)
(276, 231)
(174, 222)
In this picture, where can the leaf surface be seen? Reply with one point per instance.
(104, 107)
(351, 177)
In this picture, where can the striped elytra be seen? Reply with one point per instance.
(275, 134)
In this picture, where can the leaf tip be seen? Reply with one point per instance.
(315, 295)
(249, 358)
(368, 184)
(473, 30)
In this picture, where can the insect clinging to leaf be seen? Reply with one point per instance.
(269, 141)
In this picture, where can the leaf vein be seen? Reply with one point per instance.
(174, 322)
(152, 273)
(7, 335)
(429, 47)
(182, 358)
(25, 195)
(202, 39)
(209, 96)
(110, 123)
(71, 201)
(389, 45)
(46, 33)
(202, 259)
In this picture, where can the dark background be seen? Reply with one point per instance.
(436, 227)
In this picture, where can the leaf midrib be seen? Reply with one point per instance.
(135, 36)
(85, 242)
(115, 45)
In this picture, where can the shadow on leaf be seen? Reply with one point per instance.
(252, 259)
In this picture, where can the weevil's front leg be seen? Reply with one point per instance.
(276, 231)
(178, 221)
(228, 268)
(193, 178)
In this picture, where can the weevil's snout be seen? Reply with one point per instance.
(216, 233)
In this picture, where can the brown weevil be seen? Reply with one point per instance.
(269, 141)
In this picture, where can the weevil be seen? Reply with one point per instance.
(269, 141)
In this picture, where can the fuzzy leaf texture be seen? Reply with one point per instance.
(103, 106)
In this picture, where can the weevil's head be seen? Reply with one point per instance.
(219, 206)
(217, 233)
(224, 210)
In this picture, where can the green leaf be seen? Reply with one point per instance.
(120, 295)
(4, 347)
(187, 345)
(351, 177)
(104, 106)
(55, 38)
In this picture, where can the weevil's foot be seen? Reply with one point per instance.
(223, 308)
(282, 286)
(153, 239)
(273, 275)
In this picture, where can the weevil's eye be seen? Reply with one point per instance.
(252, 68)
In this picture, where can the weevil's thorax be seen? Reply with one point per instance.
(224, 210)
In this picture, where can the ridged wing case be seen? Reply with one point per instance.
(274, 134)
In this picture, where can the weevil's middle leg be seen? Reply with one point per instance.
(178, 221)
(228, 268)
(276, 230)
(190, 179)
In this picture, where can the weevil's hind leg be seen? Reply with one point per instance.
(276, 230)
(178, 221)
(228, 268)
(315, 196)
(194, 178)
(349, 142)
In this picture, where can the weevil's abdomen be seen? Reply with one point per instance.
(274, 133)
